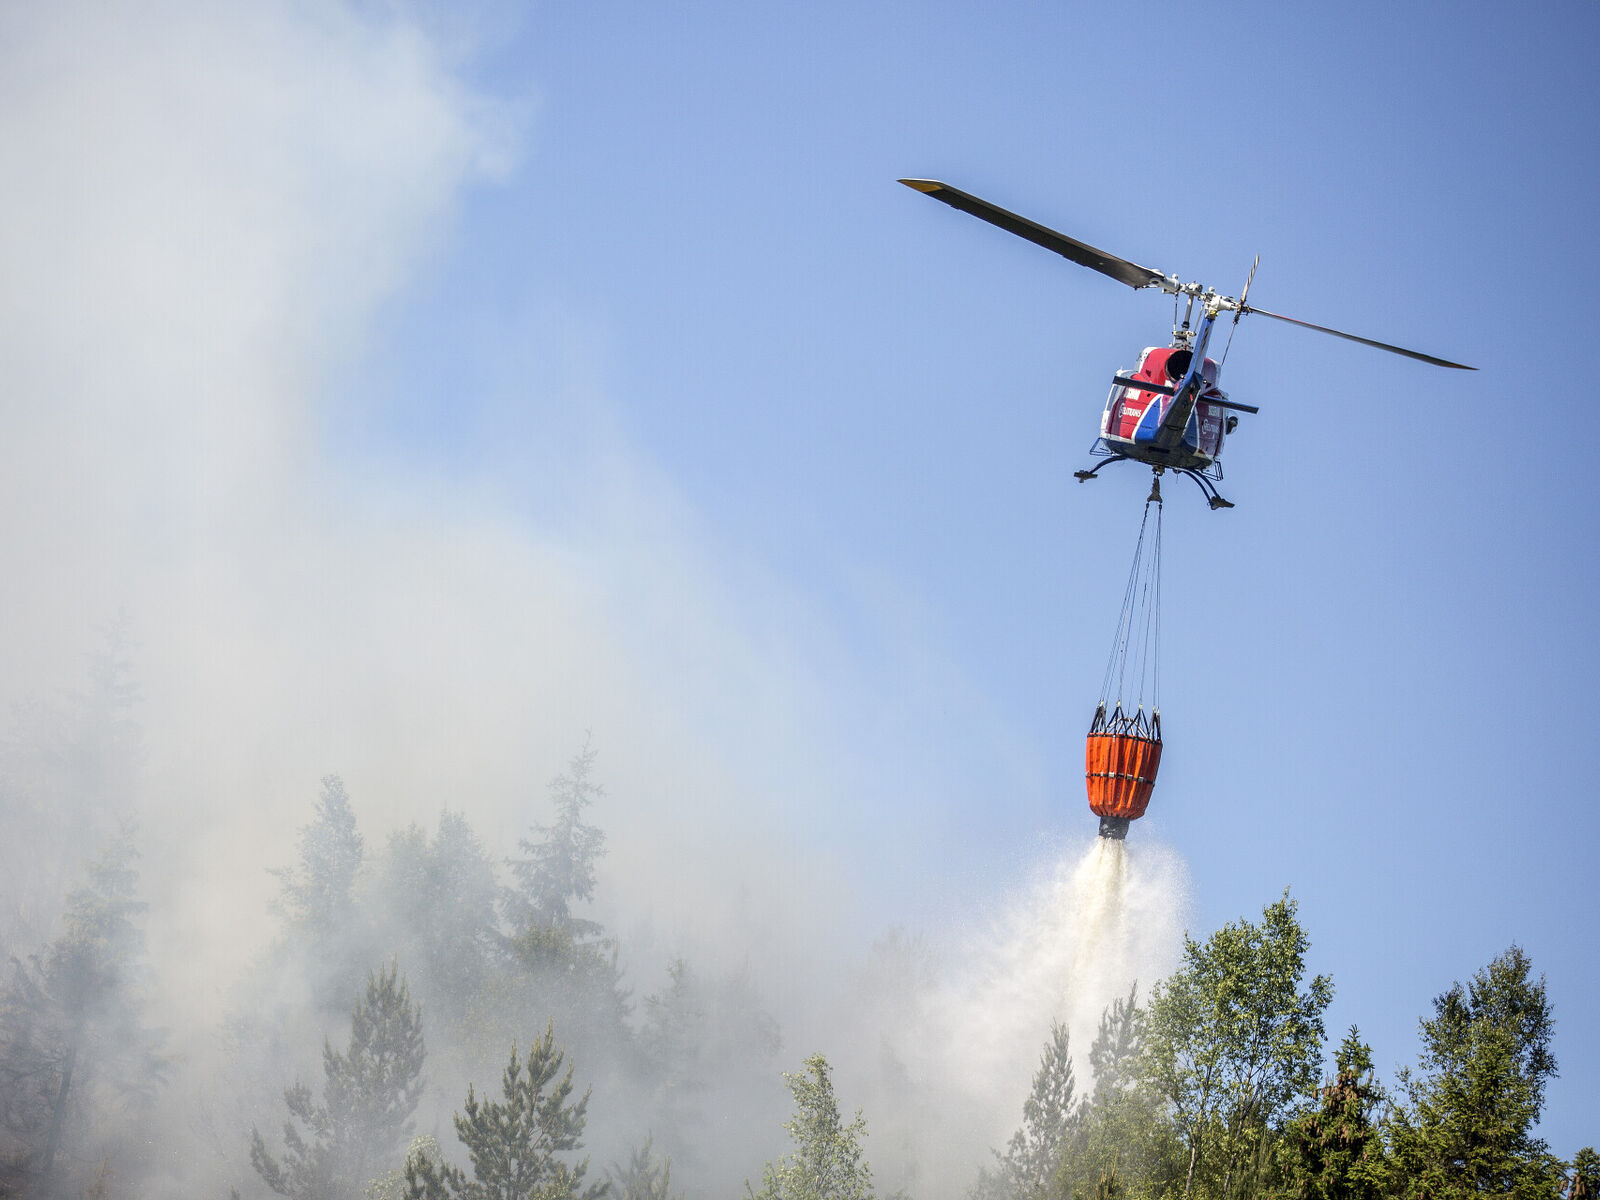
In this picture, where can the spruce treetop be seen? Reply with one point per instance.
(558, 867)
(318, 893)
(1467, 1126)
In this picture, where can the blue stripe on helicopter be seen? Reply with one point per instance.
(1150, 424)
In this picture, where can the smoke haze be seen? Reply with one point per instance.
(203, 211)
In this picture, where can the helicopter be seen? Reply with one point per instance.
(1169, 412)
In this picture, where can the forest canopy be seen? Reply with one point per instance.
(432, 1020)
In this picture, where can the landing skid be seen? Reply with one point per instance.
(1207, 488)
(1085, 476)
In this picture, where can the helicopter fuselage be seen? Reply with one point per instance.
(1169, 413)
(1164, 425)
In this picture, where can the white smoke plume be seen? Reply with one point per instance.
(203, 210)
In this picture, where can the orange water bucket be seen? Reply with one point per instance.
(1120, 771)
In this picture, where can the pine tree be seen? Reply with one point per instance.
(1230, 1040)
(69, 775)
(319, 893)
(1116, 1045)
(674, 1041)
(437, 897)
(644, 1178)
(562, 965)
(577, 984)
(1334, 1150)
(1467, 1126)
(324, 936)
(368, 1096)
(827, 1163)
(558, 870)
(74, 1049)
(1126, 1137)
(1051, 1119)
(513, 1144)
(1584, 1183)
(391, 1185)
(708, 1047)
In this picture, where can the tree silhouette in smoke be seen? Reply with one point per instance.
(74, 1048)
(369, 1093)
(558, 868)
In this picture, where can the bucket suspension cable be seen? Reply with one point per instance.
(1123, 751)
(1133, 670)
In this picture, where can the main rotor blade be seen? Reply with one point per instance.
(1119, 269)
(1350, 337)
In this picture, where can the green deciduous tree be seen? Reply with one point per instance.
(368, 1096)
(1466, 1127)
(1334, 1149)
(827, 1163)
(74, 1049)
(514, 1143)
(1230, 1040)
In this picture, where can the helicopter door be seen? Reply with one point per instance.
(1128, 406)
(1211, 417)
(1124, 410)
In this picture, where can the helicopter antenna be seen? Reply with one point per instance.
(1239, 312)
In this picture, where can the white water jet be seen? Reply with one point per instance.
(1095, 921)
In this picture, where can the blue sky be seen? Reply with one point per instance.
(1376, 681)
(516, 372)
